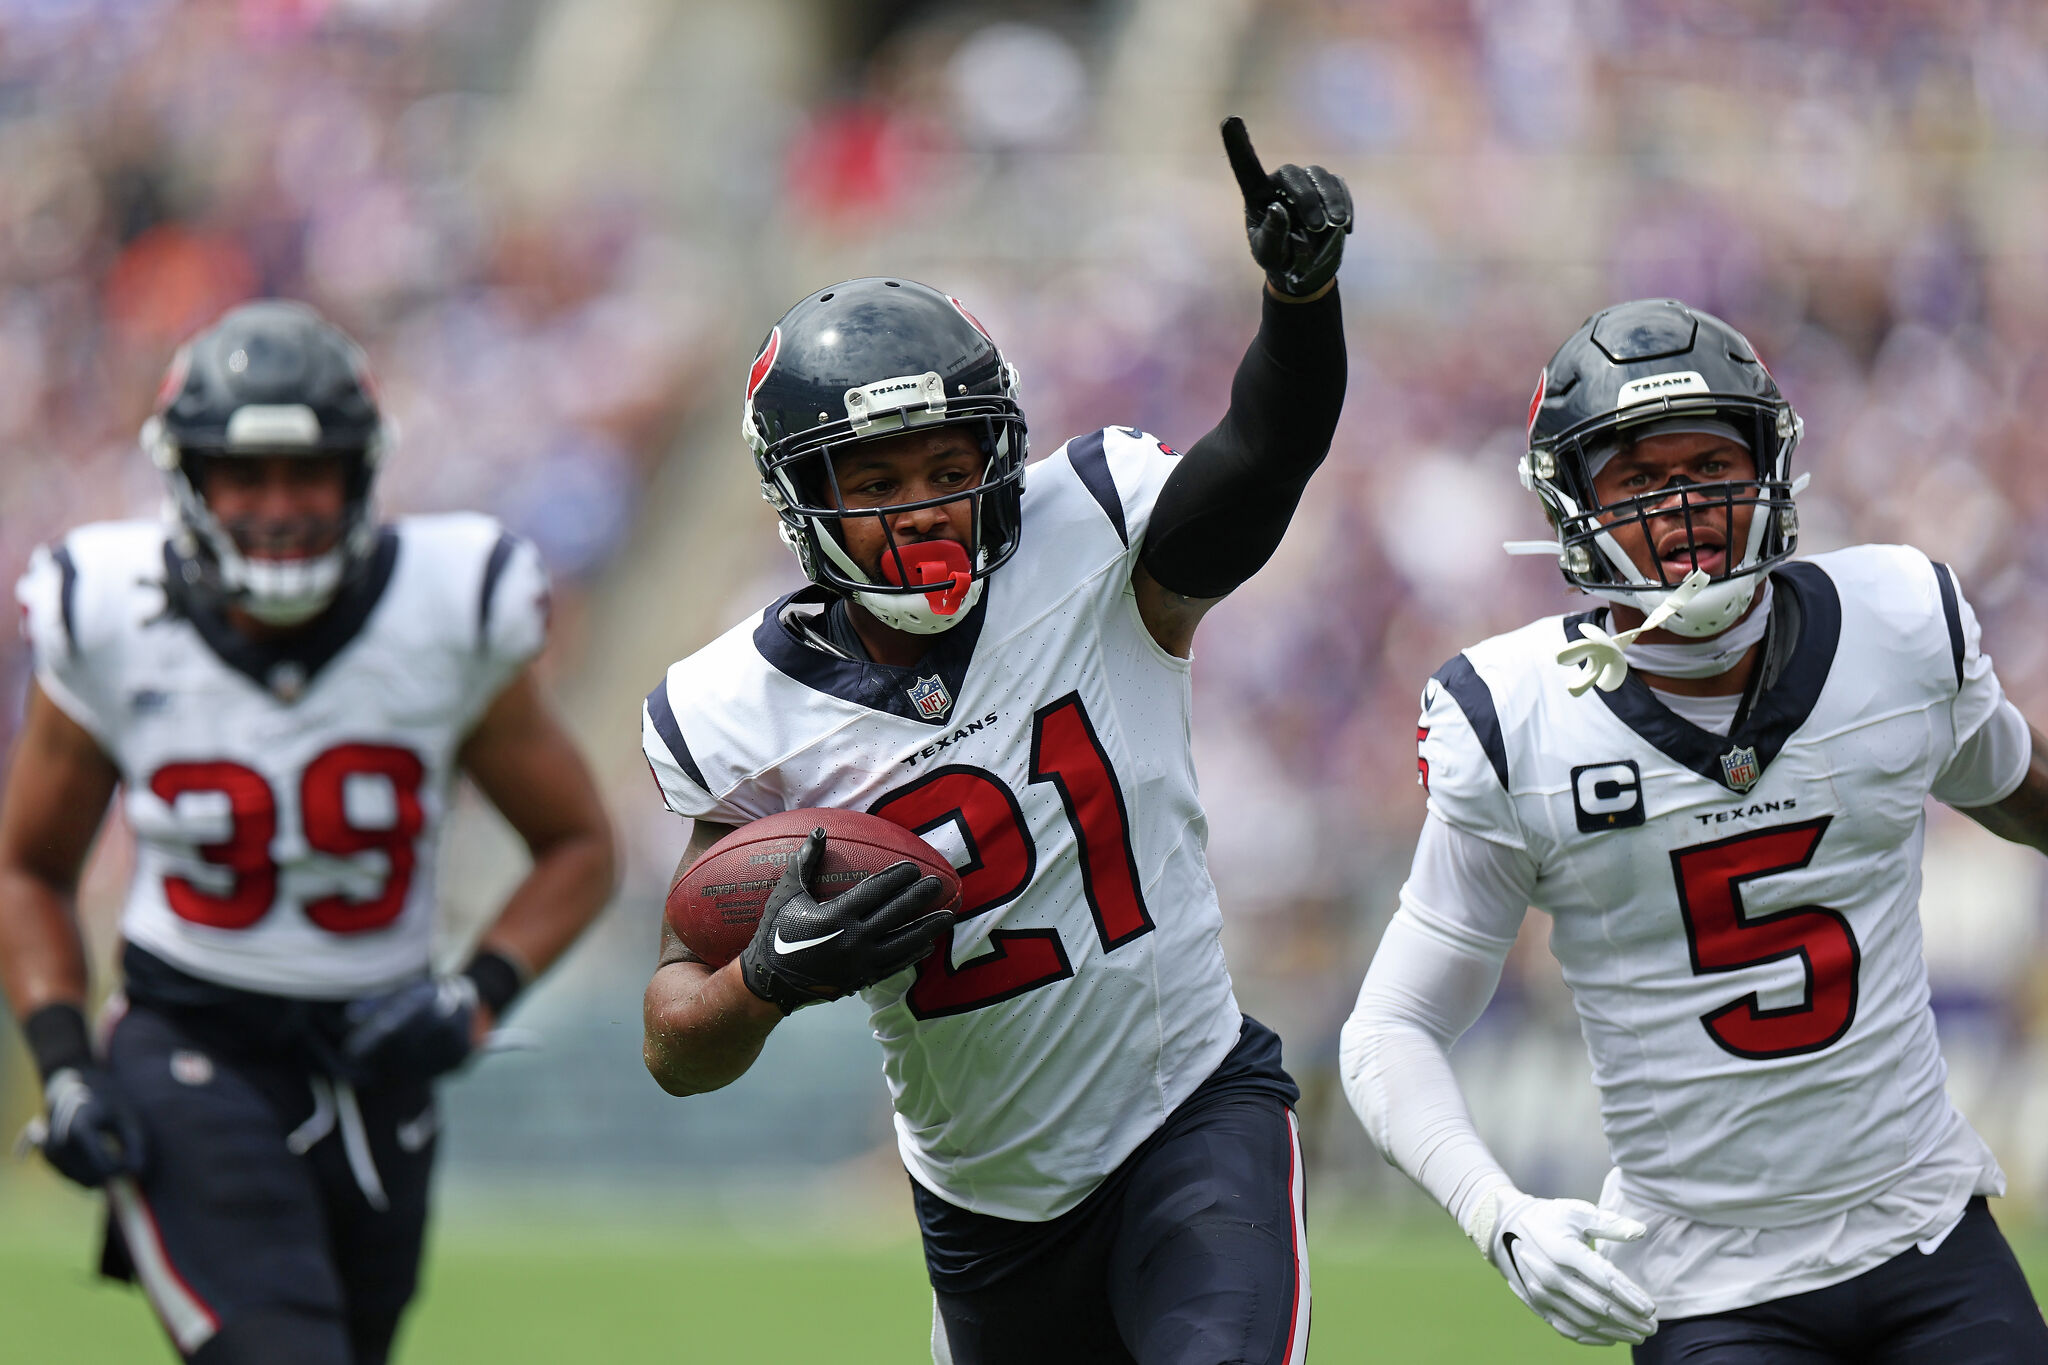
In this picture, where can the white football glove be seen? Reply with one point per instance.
(1544, 1249)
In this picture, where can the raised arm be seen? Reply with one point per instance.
(1222, 512)
(1433, 975)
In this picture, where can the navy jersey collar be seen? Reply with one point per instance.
(879, 687)
(1781, 708)
(285, 665)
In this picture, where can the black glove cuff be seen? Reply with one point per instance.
(772, 988)
(58, 1037)
(498, 980)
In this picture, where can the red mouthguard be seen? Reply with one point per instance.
(941, 563)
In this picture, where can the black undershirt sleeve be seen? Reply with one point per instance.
(1222, 511)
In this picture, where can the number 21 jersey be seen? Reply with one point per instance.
(1043, 746)
(286, 796)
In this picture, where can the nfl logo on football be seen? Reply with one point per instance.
(1739, 766)
(931, 698)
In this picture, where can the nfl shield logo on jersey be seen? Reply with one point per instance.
(931, 698)
(1739, 767)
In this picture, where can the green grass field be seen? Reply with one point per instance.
(509, 1293)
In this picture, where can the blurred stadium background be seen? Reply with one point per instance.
(562, 226)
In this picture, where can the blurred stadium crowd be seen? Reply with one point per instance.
(1858, 186)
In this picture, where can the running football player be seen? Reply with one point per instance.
(1102, 1149)
(284, 692)
(1715, 787)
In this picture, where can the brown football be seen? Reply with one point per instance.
(715, 904)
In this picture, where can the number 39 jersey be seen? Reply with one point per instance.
(1738, 916)
(286, 796)
(1043, 746)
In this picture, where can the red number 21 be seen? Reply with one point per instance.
(1001, 858)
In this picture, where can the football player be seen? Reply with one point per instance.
(284, 691)
(1102, 1149)
(1715, 786)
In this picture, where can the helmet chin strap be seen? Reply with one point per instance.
(1601, 660)
(942, 565)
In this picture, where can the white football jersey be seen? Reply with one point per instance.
(1043, 746)
(1738, 916)
(286, 796)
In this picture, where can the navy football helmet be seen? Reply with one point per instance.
(869, 358)
(269, 378)
(1657, 365)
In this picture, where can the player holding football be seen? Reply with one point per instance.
(285, 691)
(1102, 1148)
(1723, 815)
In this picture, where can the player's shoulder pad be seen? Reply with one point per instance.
(1121, 470)
(81, 597)
(1907, 605)
(711, 725)
(82, 591)
(1473, 707)
(489, 587)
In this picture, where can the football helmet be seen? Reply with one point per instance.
(1657, 365)
(269, 378)
(869, 358)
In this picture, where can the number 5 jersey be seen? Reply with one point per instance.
(1043, 746)
(1738, 918)
(285, 794)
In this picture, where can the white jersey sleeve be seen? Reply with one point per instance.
(1993, 744)
(1135, 466)
(73, 620)
(1461, 757)
(512, 611)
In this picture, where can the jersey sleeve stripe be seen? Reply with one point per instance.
(1952, 612)
(1475, 699)
(68, 579)
(664, 717)
(494, 568)
(1090, 461)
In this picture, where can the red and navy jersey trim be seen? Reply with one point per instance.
(1091, 463)
(1459, 678)
(664, 717)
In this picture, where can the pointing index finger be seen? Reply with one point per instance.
(1244, 163)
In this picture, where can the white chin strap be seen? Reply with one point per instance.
(1601, 660)
(1709, 611)
(905, 611)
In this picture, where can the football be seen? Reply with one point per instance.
(715, 904)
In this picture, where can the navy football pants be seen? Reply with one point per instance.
(1967, 1304)
(249, 1249)
(1192, 1253)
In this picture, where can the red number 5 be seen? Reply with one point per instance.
(1723, 938)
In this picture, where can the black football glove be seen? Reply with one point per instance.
(805, 952)
(414, 1033)
(90, 1134)
(1296, 219)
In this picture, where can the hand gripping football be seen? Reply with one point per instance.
(715, 904)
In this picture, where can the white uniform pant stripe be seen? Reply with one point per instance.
(185, 1315)
(1297, 1198)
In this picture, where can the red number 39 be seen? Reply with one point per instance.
(252, 805)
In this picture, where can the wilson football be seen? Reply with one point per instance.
(715, 904)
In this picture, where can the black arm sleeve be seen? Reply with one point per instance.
(1223, 510)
